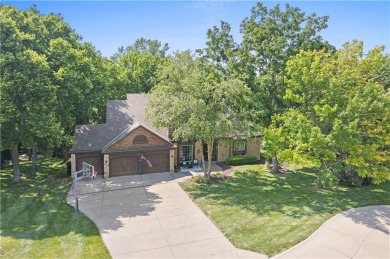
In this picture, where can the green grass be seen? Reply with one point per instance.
(268, 213)
(36, 221)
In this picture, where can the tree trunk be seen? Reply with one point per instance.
(210, 147)
(65, 153)
(29, 154)
(15, 163)
(275, 165)
(34, 158)
(204, 161)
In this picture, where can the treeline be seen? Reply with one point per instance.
(312, 103)
(51, 80)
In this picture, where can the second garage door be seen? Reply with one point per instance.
(127, 164)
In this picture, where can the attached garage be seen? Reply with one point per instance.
(115, 148)
(127, 164)
(95, 159)
(123, 164)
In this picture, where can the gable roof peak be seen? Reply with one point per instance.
(129, 130)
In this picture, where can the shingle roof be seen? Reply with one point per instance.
(121, 115)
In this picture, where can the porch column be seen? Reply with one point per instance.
(172, 160)
(106, 165)
(73, 164)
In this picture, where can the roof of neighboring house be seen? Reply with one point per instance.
(121, 116)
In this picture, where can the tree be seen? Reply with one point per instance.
(221, 50)
(137, 65)
(196, 103)
(340, 115)
(27, 94)
(270, 38)
(142, 45)
(51, 81)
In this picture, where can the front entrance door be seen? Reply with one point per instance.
(186, 153)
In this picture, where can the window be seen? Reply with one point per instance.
(186, 153)
(239, 147)
(140, 139)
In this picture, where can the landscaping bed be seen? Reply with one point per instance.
(268, 213)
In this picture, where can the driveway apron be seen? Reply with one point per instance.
(150, 216)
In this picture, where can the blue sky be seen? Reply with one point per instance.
(183, 24)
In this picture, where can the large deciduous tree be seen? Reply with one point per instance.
(340, 115)
(50, 81)
(270, 38)
(27, 93)
(137, 65)
(196, 103)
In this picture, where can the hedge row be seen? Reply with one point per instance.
(241, 160)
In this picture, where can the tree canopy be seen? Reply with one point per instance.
(196, 103)
(48, 81)
(339, 119)
(313, 104)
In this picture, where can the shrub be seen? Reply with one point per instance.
(241, 160)
(325, 179)
(200, 179)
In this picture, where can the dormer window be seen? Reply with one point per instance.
(140, 139)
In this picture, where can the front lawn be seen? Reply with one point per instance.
(36, 221)
(268, 213)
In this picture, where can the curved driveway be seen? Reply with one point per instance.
(356, 233)
(150, 216)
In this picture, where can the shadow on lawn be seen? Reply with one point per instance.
(36, 207)
(292, 194)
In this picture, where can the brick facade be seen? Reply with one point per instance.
(253, 147)
(224, 149)
(153, 140)
(198, 151)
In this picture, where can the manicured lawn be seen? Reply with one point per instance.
(36, 221)
(268, 213)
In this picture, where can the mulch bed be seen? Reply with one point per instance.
(228, 170)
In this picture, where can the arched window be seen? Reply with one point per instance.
(140, 139)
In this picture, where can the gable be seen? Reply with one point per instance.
(137, 139)
(140, 137)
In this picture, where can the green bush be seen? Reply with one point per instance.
(241, 160)
(325, 179)
(200, 179)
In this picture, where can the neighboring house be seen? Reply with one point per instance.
(116, 148)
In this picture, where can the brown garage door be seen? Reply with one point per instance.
(123, 164)
(127, 164)
(159, 161)
(93, 159)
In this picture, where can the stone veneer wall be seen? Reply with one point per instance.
(198, 151)
(224, 150)
(253, 147)
(106, 161)
(73, 164)
(172, 157)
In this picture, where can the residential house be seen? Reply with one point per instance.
(128, 144)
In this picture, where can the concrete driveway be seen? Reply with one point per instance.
(356, 233)
(150, 216)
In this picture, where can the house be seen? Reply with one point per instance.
(128, 144)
